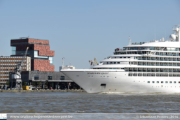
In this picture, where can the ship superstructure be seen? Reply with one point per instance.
(139, 67)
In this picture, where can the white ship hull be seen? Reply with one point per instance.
(119, 81)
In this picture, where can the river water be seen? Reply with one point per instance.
(75, 102)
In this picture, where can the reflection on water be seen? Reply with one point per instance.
(68, 102)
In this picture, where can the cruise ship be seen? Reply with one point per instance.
(145, 67)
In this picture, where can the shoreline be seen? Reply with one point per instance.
(43, 90)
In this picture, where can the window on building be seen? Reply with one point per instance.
(49, 77)
(157, 81)
(30, 48)
(36, 55)
(51, 60)
(36, 77)
(62, 78)
(148, 81)
(174, 81)
(152, 81)
(161, 81)
(166, 81)
(170, 82)
(13, 50)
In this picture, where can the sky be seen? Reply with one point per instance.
(80, 30)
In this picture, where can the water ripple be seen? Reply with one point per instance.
(88, 103)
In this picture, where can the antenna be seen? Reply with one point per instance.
(165, 35)
(129, 40)
(63, 62)
(155, 32)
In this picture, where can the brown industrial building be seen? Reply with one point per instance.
(39, 51)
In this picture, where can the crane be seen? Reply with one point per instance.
(16, 76)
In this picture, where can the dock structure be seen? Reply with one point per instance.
(45, 80)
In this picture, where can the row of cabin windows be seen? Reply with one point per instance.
(112, 62)
(108, 68)
(152, 48)
(118, 57)
(152, 70)
(139, 52)
(148, 63)
(144, 52)
(155, 63)
(158, 58)
(153, 74)
(49, 77)
(116, 62)
(162, 82)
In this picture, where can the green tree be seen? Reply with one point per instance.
(46, 83)
(7, 83)
(34, 83)
(24, 83)
(38, 83)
